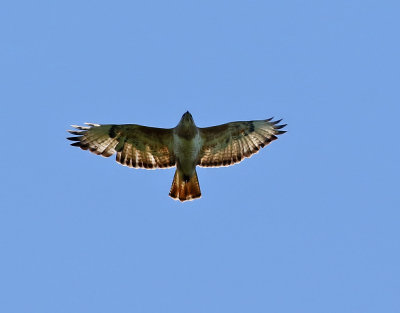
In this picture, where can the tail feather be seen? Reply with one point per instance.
(185, 190)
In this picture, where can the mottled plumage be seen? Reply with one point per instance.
(184, 146)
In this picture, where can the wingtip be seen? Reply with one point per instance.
(80, 127)
(76, 132)
(276, 122)
(74, 138)
(280, 126)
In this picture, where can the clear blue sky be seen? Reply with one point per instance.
(310, 224)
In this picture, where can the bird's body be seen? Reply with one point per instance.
(186, 152)
(185, 146)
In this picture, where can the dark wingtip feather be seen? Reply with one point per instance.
(76, 132)
(280, 132)
(76, 144)
(280, 126)
(74, 138)
(276, 122)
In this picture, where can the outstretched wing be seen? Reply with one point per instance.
(135, 145)
(227, 144)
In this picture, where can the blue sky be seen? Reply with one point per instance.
(310, 224)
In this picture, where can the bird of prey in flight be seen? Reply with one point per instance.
(184, 146)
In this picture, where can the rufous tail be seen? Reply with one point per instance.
(185, 190)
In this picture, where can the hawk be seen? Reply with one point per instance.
(184, 146)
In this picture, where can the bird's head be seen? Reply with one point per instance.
(187, 116)
(186, 120)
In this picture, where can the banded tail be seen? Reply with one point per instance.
(185, 190)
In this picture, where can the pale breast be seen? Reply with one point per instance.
(187, 152)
